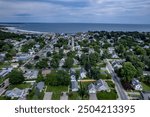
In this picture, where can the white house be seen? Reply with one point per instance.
(137, 84)
(82, 73)
(74, 85)
(92, 88)
(101, 85)
(15, 65)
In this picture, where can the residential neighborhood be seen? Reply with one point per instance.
(94, 65)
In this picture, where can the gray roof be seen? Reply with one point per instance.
(40, 85)
(91, 86)
(135, 81)
(74, 85)
(14, 93)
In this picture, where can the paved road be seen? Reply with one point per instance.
(93, 96)
(64, 96)
(3, 89)
(116, 79)
(48, 96)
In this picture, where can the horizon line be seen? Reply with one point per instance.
(72, 23)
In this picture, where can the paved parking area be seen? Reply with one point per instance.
(93, 96)
(47, 96)
(64, 96)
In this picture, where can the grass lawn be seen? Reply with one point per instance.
(145, 87)
(110, 84)
(112, 95)
(20, 86)
(86, 84)
(73, 96)
(5, 64)
(57, 90)
(1, 80)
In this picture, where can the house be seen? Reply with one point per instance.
(22, 57)
(146, 73)
(136, 84)
(116, 65)
(2, 56)
(111, 50)
(46, 71)
(92, 88)
(31, 74)
(82, 73)
(62, 62)
(145, 95)
(40, 86)
(101, 85)
(15, 65)
(15, 93)
(5, 71)
(74, 84)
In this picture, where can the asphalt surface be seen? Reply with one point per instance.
(92, 96)
(116, 79)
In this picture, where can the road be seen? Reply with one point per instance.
(39, 53)
(92, 96)
(121, 92)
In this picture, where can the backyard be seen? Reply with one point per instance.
(57, 91)
(112, 95)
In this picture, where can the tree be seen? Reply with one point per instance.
(58, 78)
(48, 54)
(8, 56)
(16, 77)
(54, 63)
(42, 64)
(95, 73)
(128, 71)
(68, 62)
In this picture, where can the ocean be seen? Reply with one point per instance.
(79, 27)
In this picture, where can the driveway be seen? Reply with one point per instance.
(93, 96)
(47, 96)
(64, 96)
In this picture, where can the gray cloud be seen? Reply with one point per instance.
(75, 10)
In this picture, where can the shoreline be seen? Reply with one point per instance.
(21, 31)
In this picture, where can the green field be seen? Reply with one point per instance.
(112, 95)
(146, 87)
(20, 86)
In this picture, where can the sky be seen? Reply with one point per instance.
(76, 11)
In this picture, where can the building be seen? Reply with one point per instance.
(136, 84)
(5, 71)
(40, 86)
(31, 74)
(15, 93)
(15, 65)
(92, 88)
(101, 85)
(46, 71)
(82, 73)
(74, 83)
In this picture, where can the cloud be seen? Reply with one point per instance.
(75, 10)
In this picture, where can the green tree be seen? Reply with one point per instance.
(128, 71)
(58, 78)
(16, 77)
(68, 62)
(55, 63)
(42, 64)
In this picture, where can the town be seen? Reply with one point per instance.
(94, 65)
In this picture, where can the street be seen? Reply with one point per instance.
(121, 92)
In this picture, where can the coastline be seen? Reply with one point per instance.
(21, 31)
